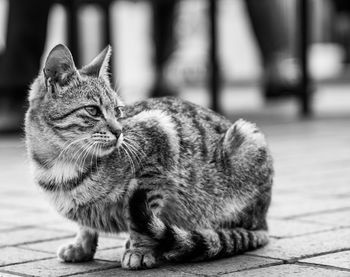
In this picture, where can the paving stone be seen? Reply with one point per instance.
(6, 226)
(321, 188)
(290, 270)
(33, 218)
(112, 255)
(53, 268)
(121, 235)
(226, 265)
(339, 259)
(304, 246)
(300, 205)
(24, 203)
(53, 245)
(337, 218)
(27, 235)
(158, 272)
(280, 228)
(7, 214)
(12, 255)
(3, 274)
(63, 224)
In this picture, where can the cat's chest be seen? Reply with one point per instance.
(61, 184)
(93, 199)
(88, 193)
(59, 173)
(104, 214)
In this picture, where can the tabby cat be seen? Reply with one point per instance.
(186, 184)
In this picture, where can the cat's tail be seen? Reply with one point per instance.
(177, 244)
(204, 244)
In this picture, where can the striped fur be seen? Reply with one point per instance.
(185, 182)
(178, 244)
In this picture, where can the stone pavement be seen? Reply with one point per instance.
(309, 218)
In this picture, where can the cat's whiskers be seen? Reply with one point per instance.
(76, 158)
(117, 88)
(86, 154)
(135, 143)
(93, 155)
(132, 166)
(133, 147)
(132, 162)
(81, 161)
(76, 155)
(132, 137)
(133, 157)
(70, 144)
(134, 151)
(138, 149)
(98, 154)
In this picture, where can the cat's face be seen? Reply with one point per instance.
(76, 111)
(90, 112)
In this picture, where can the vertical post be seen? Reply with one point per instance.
(72, 29)
(304, 32)
(214, 85)
(106, 15)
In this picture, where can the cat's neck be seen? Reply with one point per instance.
(56, 170)
(66, 172)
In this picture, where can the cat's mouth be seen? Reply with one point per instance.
(108, 146)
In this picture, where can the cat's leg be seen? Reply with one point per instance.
(154, 241)
(139, 252)
(140, 249)
(82, 248)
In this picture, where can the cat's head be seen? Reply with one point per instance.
(73, 109)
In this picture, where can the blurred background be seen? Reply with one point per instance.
(165, 48)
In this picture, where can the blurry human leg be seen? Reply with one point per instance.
(19, 63)
(164, 14)
(281, 67)
(342, 27)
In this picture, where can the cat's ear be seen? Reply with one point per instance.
(99, 65)
(59, 67)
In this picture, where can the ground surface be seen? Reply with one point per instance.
(309, 217)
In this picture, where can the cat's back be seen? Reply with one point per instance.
(182, 113)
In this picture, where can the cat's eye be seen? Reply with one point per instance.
(119, 111)
(93, 110)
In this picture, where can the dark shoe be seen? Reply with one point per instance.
(274, 91)
(162, 91)
(282, 79)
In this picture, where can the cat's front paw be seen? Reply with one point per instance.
(74, 253)
(138, 259)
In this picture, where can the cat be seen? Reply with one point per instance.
(186, 183)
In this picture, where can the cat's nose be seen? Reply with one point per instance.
(115, 128)
(116, 132)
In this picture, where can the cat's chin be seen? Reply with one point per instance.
(106, 150)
